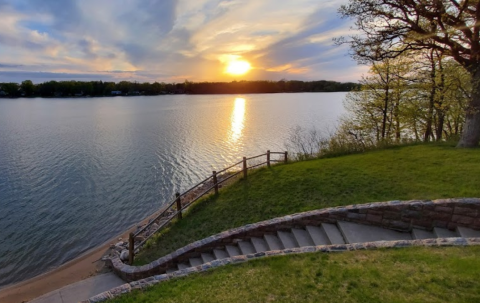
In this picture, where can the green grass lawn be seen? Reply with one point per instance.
(418, 274)
(401, 173)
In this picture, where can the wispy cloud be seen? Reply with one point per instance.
(171, 40)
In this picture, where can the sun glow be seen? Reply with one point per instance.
(238, 67)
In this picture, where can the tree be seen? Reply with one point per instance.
(452, 27)
(27, 87)
(416, 96)
(458, 92)
(109, 87)
(440, 91)
(11, 89)
(376, 109)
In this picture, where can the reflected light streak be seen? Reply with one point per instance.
(238, 118)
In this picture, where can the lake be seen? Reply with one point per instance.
(76, 172)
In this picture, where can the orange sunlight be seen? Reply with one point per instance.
(237, 67)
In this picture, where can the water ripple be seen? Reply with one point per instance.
(74, 173)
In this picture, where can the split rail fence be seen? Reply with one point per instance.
(175, 208)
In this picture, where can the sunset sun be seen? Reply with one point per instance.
(238, 67)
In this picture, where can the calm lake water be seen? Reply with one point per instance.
(76, 172)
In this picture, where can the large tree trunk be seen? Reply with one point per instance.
(439, 108)
(471, 130)
(386, 104)
(441, 122)
(431, 103)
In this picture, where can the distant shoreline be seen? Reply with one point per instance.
(196, 94)
(99, 88)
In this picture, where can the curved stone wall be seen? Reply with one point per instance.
(397, 215)
(153, 280)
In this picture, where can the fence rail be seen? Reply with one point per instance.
(174, 208)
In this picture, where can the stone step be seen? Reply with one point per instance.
(302, 237)
(444, 233)
(195, 262)
(207, 257)
(273, 242)
(232, 250)
(220, 254)
(419, 234)
(333, 233)
(170, 270)
(287, 239)
(246, 247)
(183, 266)
(318, 235)
(358, 233)
(259, 244)
(467, 232)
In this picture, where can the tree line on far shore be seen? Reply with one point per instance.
(99, 88)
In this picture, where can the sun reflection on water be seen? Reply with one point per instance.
(237, 118)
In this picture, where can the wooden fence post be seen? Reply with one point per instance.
(131, 249)
(268, 158)
(245, 167)
(286, 157)
(215, 182)
(179, 206)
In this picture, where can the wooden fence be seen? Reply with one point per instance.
(175, 208)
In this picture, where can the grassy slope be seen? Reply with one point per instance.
(448, 274)
(401, 173)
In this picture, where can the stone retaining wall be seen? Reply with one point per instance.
(150, 281)
(397, 215)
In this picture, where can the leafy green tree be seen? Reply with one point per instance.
(452, 27)
(27, 87)
(421, 96)
(11, 89)
(375, 109)
(450, 108)
(109, 87)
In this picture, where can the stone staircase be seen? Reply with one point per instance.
(391, 224)
(361, 225)
(342, 232)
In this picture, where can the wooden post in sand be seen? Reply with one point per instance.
(131, 249)
(215, 182)
(245, 167)
(268, 158)
(179, 206)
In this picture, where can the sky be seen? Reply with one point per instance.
(173, 40)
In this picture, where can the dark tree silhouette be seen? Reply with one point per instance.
(99, 88)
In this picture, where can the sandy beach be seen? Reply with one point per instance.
(70, 272)
(85, 266)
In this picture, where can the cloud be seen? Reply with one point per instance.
(6, 65)
(66, 14)
(310, 50)
(38, 77)
(169, 40)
